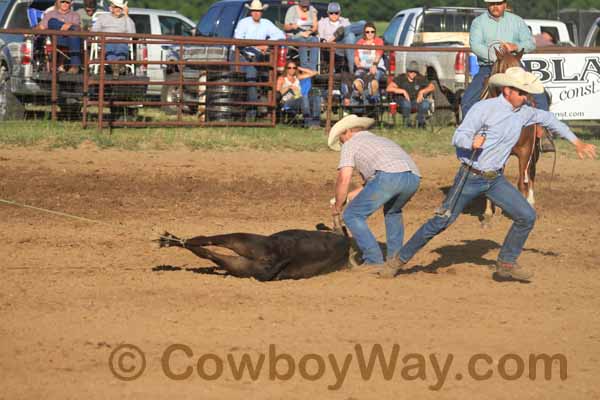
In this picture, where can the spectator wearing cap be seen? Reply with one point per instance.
(301, 25)
(117, 21)
(409, 91)
(257, 28)
(86, 13)
(332, 30)
(63, 18)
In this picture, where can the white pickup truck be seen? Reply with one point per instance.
(445, 27)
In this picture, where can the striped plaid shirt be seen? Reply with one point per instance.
(369, 153)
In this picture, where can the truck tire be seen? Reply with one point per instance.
(10, 106)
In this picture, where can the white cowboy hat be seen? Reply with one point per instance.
(119, 3)
(256, 5)
(348, 122)
(518, 78)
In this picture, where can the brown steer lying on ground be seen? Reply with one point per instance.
(292, 254)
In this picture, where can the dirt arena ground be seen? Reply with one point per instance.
(72, 292)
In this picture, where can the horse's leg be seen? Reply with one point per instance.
(532, 171)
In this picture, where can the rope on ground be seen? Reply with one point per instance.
(121, 227)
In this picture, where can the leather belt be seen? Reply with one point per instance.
(484, 174)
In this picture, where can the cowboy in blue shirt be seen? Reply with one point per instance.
(496, 28)
(257, 28)
(483, 144)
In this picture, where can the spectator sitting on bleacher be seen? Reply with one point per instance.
(289, 87)
(86, 14)
(117, 21)
(62, 18)
(370, 66)
(409, 91)
(301, 24)
(331, 29)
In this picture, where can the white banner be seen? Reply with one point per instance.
(573, 81)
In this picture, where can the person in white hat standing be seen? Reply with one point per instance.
(390, 179)
(257, 28)
(117, 21)
(496, 28)
(483, 143)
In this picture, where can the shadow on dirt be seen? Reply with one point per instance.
(197, 270)
(469, 252)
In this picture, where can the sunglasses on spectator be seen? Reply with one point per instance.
(65, 1)
(334, 13)
(292, 67)
(369, 32)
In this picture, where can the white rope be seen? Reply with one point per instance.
(72, 216)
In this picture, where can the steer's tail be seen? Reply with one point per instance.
(167, 240)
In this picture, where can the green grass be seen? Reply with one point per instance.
(54, 135)
(381, 26)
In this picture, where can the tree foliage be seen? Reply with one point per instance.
(384, 10)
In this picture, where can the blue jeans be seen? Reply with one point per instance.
(72, 42)
(501, 192)
(473, 92)
(392, 191)
(310, 106)
(117, 51)
(251, 76)
(406, 107)
(367, 79)
(308, 55)
(349, 38)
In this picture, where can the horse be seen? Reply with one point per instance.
(527, 148)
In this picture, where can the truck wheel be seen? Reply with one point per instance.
(10, 106)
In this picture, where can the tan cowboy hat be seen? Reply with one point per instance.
(256, 5)
(518, 78)
(348, 122)
(119, 3)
